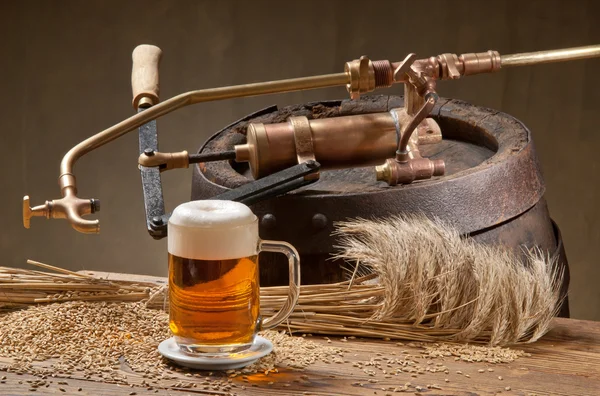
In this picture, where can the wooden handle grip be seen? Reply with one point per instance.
(144, 75)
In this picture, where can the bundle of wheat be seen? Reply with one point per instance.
(20, 287)
(413, 279)
(434, 278)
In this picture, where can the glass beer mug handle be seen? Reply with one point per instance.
(294, 271)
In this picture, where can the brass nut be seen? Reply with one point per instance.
(383, 172)
(362, 77)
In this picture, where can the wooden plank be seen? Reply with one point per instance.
(17, 385)
(565, 362)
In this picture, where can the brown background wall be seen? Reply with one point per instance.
(65, 74)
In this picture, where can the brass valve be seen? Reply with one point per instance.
(394, 172)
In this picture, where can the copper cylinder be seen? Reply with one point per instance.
(339, 142)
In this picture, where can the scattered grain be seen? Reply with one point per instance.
(95, 338)
(471, 353)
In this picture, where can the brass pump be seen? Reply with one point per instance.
(301, 139)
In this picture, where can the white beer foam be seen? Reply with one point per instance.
(213, 230)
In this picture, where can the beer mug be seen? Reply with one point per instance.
(214, 290)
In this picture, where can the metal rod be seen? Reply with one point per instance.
(277, 183)
(209, 157)
(534, 58)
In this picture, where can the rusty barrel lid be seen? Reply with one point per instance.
(492, 175)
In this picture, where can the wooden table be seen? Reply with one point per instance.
(565, 362)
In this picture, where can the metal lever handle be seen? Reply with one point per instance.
(407, 131)
(270, 186)
(404, 68)
(29, 212)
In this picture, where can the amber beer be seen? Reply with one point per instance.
(214, 291)
(214, 302)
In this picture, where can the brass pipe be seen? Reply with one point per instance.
(408, 129)
(550, 56)
(271, 87)
(73, 208)
(360, 76)
(193, 97)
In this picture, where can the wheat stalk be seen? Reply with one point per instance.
(434, 277)
(412, 278)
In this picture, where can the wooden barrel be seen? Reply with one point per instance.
(492, 190)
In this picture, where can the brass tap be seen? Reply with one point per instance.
(69, 207)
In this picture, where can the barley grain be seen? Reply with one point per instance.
(92, 337)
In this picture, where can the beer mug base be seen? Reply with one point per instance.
(219, 361)
(194, 348)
